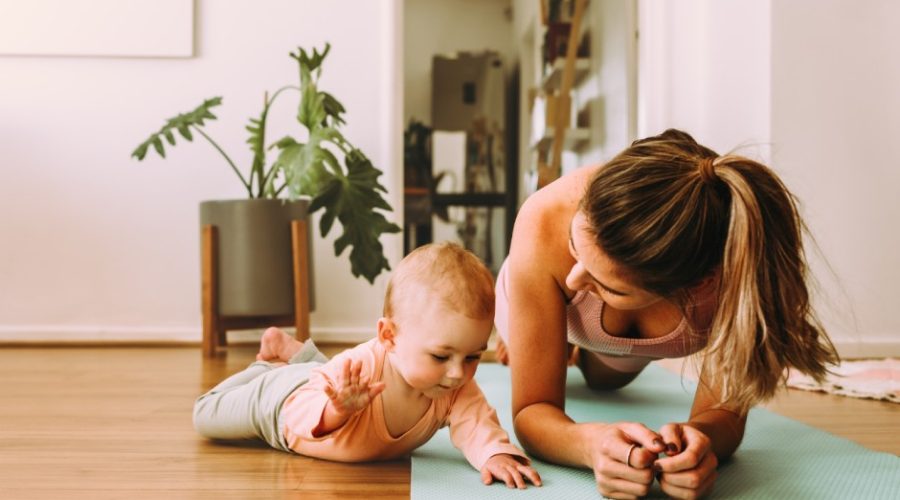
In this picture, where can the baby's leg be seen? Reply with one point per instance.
(225, 411)
(247, 404)
(276, 345)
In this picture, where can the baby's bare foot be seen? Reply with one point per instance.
(276, 345)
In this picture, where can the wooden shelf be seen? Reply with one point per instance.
(469, 199)
(553, 79)
(573, 139)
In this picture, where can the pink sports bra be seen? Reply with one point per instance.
(584, 314)
(584, 318)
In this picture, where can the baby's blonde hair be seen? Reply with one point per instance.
(450, 274)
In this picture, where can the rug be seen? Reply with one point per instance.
(868, 379)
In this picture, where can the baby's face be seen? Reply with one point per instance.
(437, 350)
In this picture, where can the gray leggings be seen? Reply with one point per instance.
(247, 404)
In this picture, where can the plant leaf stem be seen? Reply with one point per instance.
(227, 158)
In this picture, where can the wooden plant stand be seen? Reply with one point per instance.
(216, 325)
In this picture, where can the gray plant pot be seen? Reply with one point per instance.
(255, 269)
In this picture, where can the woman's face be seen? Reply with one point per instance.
(595, 273)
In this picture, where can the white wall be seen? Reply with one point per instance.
(809, 87)
(98, 246)
(835, 129)
(609, 89)
(705, 68)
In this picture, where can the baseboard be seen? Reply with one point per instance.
(53, 334)
(868, 347)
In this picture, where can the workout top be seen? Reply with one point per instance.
(584, 314)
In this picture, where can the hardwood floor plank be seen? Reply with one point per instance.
(115, 422)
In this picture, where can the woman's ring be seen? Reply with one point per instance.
(628, 456)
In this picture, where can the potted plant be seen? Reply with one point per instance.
(305, 177)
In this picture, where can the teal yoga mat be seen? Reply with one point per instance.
(779, 457)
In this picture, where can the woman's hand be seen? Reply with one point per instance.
(506, 468)
(689, 468)
(622, 456)
(351, 393)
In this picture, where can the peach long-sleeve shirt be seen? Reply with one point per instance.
(474, 427)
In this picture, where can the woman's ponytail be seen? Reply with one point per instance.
(764, 322)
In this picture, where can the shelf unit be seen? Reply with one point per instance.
(553, 79)
(565, 73)
(573, 139)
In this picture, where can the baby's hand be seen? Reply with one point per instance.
(509, 470)
(349, 393)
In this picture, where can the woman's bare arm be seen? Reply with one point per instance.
(537, 335)
(724, 427)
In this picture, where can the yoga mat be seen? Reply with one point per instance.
(779, 457)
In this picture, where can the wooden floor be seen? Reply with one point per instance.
(101, 423)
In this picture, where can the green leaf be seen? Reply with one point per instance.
(182, 124)
(311, 63)
(303, 170)
(140, 152)
(312, 109)
(332, 162)
(333, 108)
(328, 196)
(353, 200)
(185, 132)
(257, 142)
(158, 146)
(284, 142)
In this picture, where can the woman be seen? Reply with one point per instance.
(667, 250)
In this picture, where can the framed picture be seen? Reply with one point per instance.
(105, 28)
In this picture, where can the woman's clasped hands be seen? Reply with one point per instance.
(627, 456)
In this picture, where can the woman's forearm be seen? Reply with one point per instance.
(548, 433)
(724, 428)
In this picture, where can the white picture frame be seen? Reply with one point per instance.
(103, 28)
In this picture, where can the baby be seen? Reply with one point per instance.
(388, 396)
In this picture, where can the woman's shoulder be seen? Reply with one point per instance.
(567, 190)
(546, 214)
(540, 242)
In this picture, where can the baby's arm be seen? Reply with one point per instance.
(347, 394)
(476, 431)
(510, 470)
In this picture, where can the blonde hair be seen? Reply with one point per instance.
(672, 213)
(450, 273)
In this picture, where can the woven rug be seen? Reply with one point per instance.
(869, 379)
